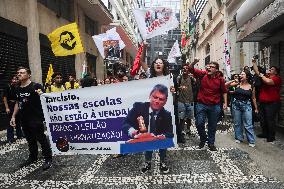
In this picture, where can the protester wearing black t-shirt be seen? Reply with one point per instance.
(31, 115)
(9, 99)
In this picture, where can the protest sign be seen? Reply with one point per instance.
(155, 21)
(99, 120)
(109, 44)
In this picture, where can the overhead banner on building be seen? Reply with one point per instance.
(109, 120)
(155, 21)
(109, 44)
(66, 40)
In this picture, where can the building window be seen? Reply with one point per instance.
(203, 25)
(207, 49)
(122, 54)
(123, 3)
(109, 6)
(91, 27)
(62, 8)
(207, 59)
(210, 14)
(219, 3)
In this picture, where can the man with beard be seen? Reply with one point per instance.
(31, 115)
(212, 88)
(185, 98)
(57, 86)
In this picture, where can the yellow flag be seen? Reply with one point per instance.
(66, 40)
(49, 74)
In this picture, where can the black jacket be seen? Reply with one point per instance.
(163, 121)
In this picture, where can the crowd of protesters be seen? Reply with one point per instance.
(200, 95)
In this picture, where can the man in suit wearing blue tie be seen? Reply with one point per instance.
(157, 121)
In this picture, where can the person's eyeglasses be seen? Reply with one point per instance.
(212, 66)
(159, 63)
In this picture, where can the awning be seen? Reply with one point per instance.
(268, 21)
(249, 9)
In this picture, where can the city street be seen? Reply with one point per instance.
(232, 166)
(107, 81)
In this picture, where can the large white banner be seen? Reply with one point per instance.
(155, 21)
(111, 119)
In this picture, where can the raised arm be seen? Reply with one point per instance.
(266, 80)
(196, 72)
(232, 83)
(195, 61)
(143, 57)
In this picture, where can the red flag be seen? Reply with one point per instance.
(185, 38)
(136, 64)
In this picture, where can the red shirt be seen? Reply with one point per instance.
(211, 89)
(271, 93)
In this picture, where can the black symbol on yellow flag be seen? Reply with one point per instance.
(67, 40)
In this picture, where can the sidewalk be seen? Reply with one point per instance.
(232, 166)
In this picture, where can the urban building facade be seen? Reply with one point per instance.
(263, 22)
(25, 25)
(207, 43)
(254, 27)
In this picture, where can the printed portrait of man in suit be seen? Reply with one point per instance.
(157, 120)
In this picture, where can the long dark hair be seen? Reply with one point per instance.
(165, 70)
(249, 76)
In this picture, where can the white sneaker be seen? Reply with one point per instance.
(238, 141)
(252, 145)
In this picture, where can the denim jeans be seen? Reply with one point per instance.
(185, 110)
(242, 114)
(162, 153)
(211, 112)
